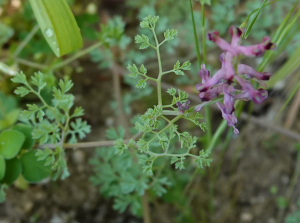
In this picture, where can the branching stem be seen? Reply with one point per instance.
(160, 73)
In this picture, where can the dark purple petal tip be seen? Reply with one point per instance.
(213, 36)
(235, 31)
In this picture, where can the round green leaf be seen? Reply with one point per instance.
(2, 167)
(13, 171)
(10, 119)
(58, 25)
(11, 142)
(33, 170)
(27, 131)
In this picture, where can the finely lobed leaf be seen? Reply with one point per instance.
(22, 91)
(79, 111)
(170, 34)
(20, 78)
(65, 86)
(141, 84)
(171, 91)
(186, 65)
(37, 80)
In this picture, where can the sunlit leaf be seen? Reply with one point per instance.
(58, 25)
(11, 142)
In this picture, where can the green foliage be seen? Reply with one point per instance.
(149, 121)
(208, 2)
(129, 168)
(6, 33)
(170, 34)
(282, 202)
(12, 172)
(51, 123)
(294, 217)
(2, 193)
(159, 186)
(78, 128)
(135, 71)
(144, 40)
(154, 132)
(2, 167)
(112, 33)
(55, 159)
(182, 95)
(202, 160)
(59, 26)
(178, 69)
(179, 164)
(149, 22)
(11, 142)
(196, 121)
(119, 177)
(246, 34)
(9, 112)
(34, 170)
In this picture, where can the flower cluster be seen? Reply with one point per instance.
(233, 74)
(183, 107)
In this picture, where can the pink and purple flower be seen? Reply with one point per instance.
(231, 74)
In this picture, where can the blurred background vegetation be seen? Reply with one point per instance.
(254, 176)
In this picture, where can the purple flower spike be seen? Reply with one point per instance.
(251, 73)
(211, 93)
(204, 74)
(258, 96)
(214, 36)
(230, 118)
(211, 81)
(259, 49)
(225, 79)
(236, 34)
(199, 107)
(183, 107)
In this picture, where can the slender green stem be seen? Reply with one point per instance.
(208, 134)
(76, 56)
(64, 62)
(195, 35)
(88, 144)
(166, 72)
(203, 34)
(207, 103)
(217, 135)
(215, 172)
(246, 34)
(207, 109)
(222, 127)
(279, 35)
(291, 188)
(31, 64)
(151, 78)
(168, 106)
(248, 17)
(160, 73)
(153, 46)
(169, 112)
(26, 40)
(163, 117)
(169, 154)
(46, 105)
(165, 128)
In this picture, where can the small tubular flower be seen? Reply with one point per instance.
(223, 82)
(251, 73)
